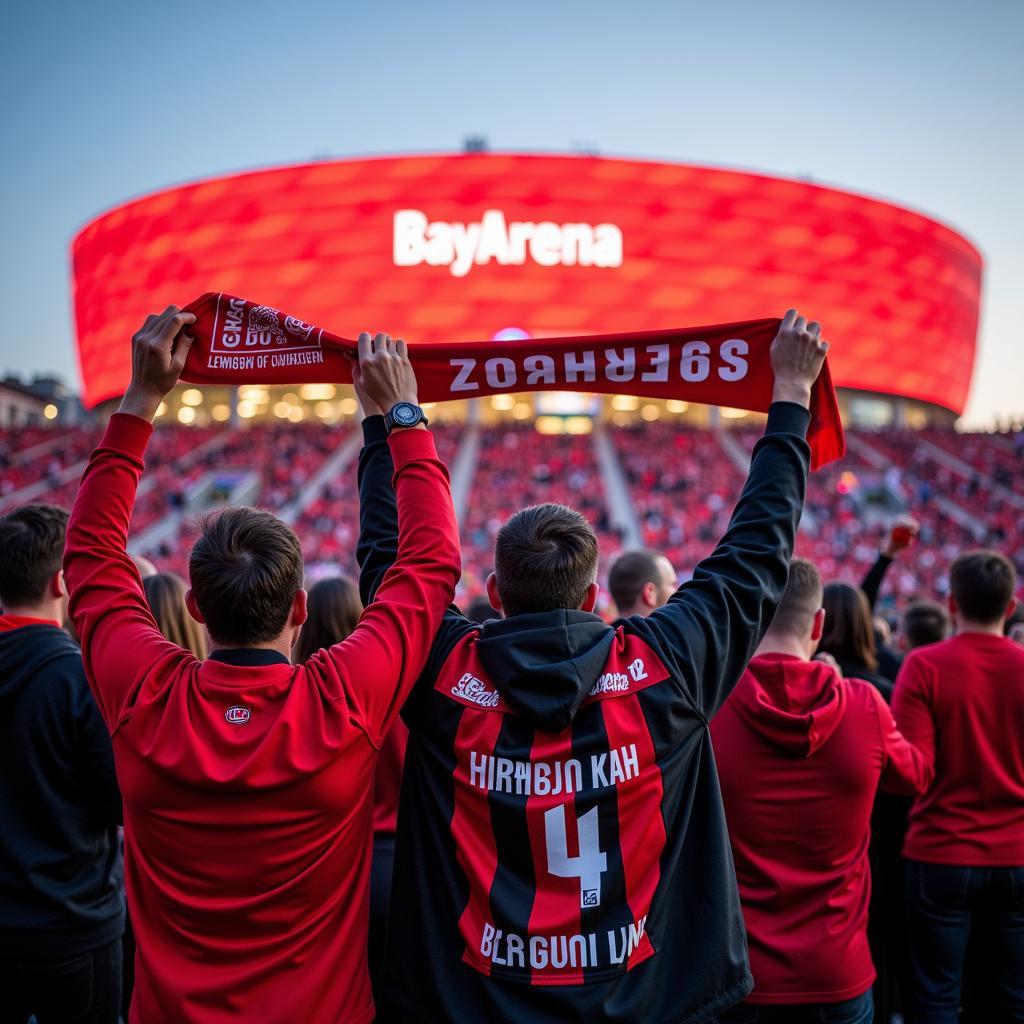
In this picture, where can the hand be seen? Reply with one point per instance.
(367, 405)
(159, 349)
(904, 530)
(385, 374)
(797, 355)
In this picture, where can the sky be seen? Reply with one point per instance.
(917, 102)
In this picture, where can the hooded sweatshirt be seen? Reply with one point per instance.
(562, 853)
(801, 752)
(60, 862)
(247, 780)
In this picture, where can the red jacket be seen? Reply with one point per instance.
(246, 780)
(962, 703)
(800, 754)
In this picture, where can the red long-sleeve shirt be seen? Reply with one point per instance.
(247, 845)
(961, 702)
(801, 753)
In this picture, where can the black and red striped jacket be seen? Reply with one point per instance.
(562, 853)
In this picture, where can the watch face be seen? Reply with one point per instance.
(404, 413)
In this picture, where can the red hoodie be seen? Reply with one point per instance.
(247, 780)
(962, 702)
(800, 753)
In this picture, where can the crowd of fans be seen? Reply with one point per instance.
(802, 807)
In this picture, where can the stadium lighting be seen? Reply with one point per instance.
(192, 396)
(522, 410)
(317, 392)
(186, 415)
(246, 409)
(50, 411)
(502, 402)
(734, 414)
(348, 407)
(221, 413)
(625, 403)
(161, 409)
(281, 409)
(650, 413)
(675, 405)
(295, 414)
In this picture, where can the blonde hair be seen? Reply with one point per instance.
(165, 592)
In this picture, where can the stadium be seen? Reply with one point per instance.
(638, 783)
(481, 246)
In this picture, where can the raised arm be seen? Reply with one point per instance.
(405, 506)
(119, 637)
(901, 536)
(713, 623)
(377, 547)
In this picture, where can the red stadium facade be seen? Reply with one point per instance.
(461, 247)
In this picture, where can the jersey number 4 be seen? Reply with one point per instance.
(591, 862)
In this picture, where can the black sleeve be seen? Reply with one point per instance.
(872, 582)
(711, 626)
(96, 752)
(377, 546)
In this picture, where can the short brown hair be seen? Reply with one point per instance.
(334, 609)
(925, 622)
(849, 634)
(983, 583)
(31, 550)
(629, 573)
(545, 557)
(165, 595)
(801, 600)
(245, 570)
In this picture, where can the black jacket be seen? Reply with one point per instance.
(562, 852)
(60, 862)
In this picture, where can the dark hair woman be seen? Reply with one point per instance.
(333, 609)
(849, 635)
(165, 594)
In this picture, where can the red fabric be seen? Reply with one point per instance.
(9, 622)
(800, 754)
(240, 342)
(962, 703)
(387, 779)
(248, 845)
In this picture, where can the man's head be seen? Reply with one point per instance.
(982, 583)
(246, 573)
(545, 558)
(641, 581)
(31, 551)
(800, 618)
(924, 622)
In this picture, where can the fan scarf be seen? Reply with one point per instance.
(241, 342)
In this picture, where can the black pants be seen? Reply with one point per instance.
(849, 1011)
(84, 989)
(947, 906)
(380, 899)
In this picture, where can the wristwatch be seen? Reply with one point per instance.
(404, 414)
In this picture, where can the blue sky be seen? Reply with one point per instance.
(919, 102)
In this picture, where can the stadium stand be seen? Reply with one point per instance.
(965, 489)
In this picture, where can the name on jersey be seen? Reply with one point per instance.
(568, 952)
(550, 778)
